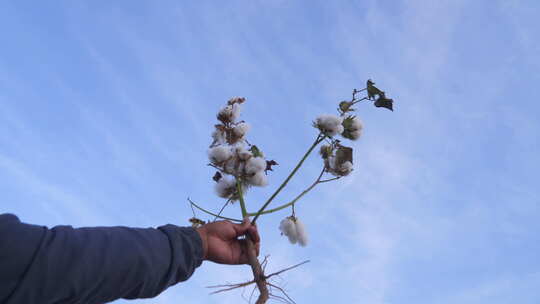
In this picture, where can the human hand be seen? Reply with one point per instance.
(222, 245)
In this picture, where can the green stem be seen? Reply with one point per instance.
(358, 100)
(241, 197)
(222, 208)
(291, 203)
(318, 140)
(329, 180)
(211, 213)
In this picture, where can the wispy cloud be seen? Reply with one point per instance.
(57, 202)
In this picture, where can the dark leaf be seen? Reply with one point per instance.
(217, 176)
(255, 151)
(326, 151)
(383, 102)
(269, 164)
(195, 222)
(344, 154)
(348, 121)
(234, 100)
(372, 90)
(345, 106)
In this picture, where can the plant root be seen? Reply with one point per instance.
(261, 282)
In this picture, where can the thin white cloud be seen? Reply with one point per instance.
(59, 202)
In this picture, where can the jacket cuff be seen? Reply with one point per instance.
(186, 252)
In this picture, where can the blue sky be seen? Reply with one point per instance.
(106, 110)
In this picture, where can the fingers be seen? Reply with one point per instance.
(257, 248)
(243, 258)
(247, 228)
(240, 229)
(254, 234)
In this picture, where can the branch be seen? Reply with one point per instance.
(241, 197)
(286, 269)
(211, 213)
(329, 180)
(221, 210)
(256, 268)
(289, 300)
(358, 100)
(317, 181)
(228, 287)
(319, 138)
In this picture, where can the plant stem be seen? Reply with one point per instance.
(358, 100)
(329, 180)
(241, 197)
(317, 181)
(256, 268)
(222, 208)
(211, 213)
(318, 140)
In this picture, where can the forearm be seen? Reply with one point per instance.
(96, 265)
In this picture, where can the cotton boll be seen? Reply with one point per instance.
(259, 179)
(244, 155)
(354, 135)
(236, 100)
(241, 129)
(232, 166)
(219, 154)
(255, 164)
(346, 168)
(343, 169)
(356, 124)
(340, 129)
(288, 228)
(225, 114)
(229, 113)
(336, 169)
(301, 233)
(240, 168)
(325, 151)
(219, 137)
(332, 162)
(352, 128)
(225, 187)
(235, 112)
(329, 124)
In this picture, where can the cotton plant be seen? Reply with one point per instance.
(241, 165)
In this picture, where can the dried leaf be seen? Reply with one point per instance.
(383, 102)
(326, 151)
(372, 90)
(344, 154)
(195, 222)
(217, 176)
(269, 164)
(345, 106)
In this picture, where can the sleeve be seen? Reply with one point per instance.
(92, 265)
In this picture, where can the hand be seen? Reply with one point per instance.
(221, 243)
